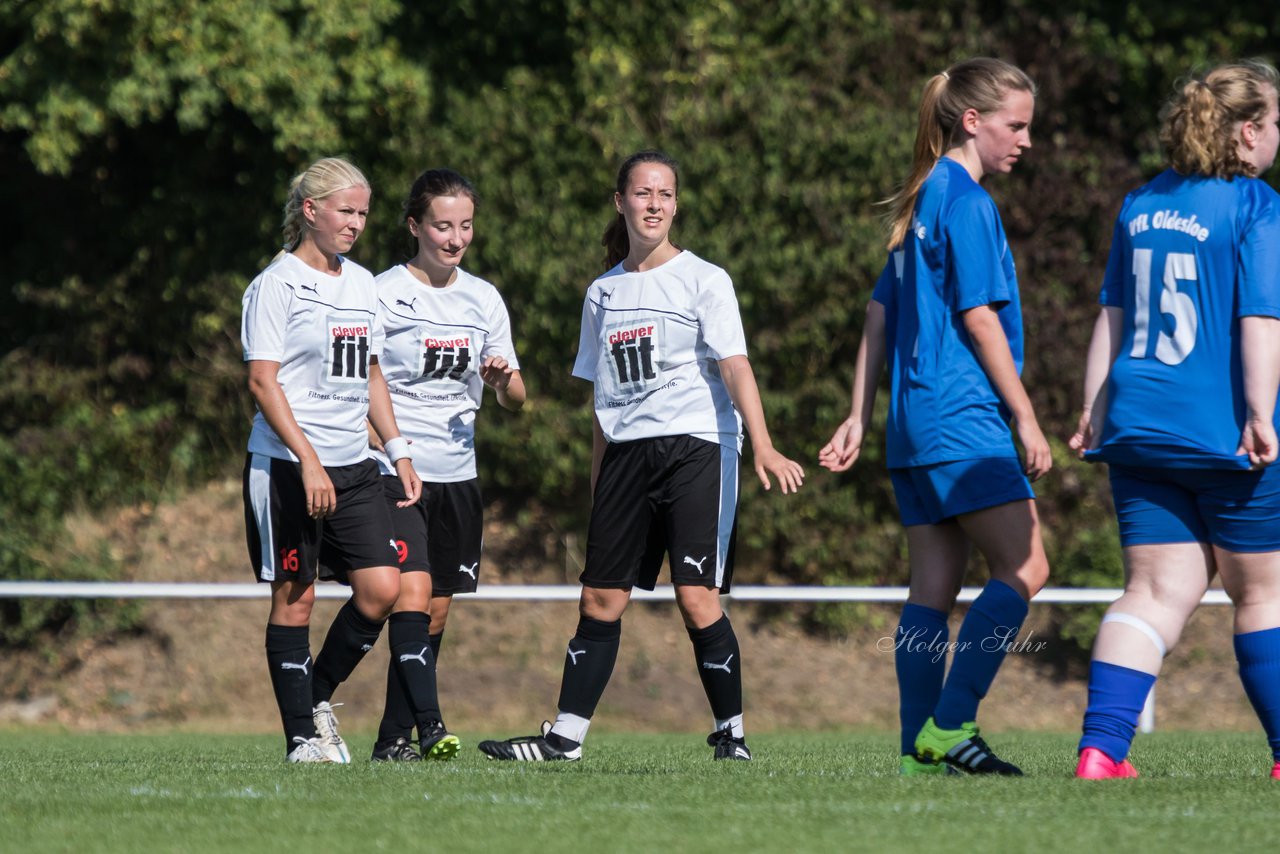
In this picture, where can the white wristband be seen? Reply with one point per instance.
(396, 449)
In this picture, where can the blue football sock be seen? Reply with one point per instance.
(992, 623)
(1116, 697)
(1259, 656)
(920, 659)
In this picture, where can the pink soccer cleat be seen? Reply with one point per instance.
(1275, 771)
(1096, 765)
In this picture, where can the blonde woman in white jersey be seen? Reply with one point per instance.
(663, 344)
(313, 499)
(447, 337)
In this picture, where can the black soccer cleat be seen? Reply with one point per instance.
(728, 747)
(399, 750)
(533, 748)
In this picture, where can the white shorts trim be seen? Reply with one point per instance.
(728, 509)
(260, 505)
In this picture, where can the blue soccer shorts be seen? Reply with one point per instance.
(929, 495)
(1235, 510)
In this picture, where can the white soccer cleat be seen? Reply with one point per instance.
(327, 733)
(308, 750)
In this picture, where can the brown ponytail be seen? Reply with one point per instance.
(616, 243)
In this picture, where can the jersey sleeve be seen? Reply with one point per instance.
(1258, 286)
(976, 244)
(264, 317)
(718, 317)
(588, 344)
(886, 289)
(498, 342)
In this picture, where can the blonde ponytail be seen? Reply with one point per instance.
(1201, 123)
(979, 84)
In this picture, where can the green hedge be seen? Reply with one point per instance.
(149, 143)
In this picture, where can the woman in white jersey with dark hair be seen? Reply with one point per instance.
(447, 337)
(663, 344)
(313, 498)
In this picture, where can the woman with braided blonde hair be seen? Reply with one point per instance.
(946, 312)
(1179, 401)
(313, 498)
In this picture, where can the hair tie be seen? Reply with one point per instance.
(946, 76)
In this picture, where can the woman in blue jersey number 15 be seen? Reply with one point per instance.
(313, 498)
(663, 344)
(945, 311)
(448, 336)
(1180, 393)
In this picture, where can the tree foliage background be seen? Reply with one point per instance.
(147, 144)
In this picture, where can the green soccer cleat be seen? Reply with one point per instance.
(438, 744)
(911, 765)
(961, 748)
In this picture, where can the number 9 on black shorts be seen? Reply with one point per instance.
(442, 533)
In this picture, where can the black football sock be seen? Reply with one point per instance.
(349, 638)
(411, 656)
(719, 667)
(289, 660)
(588, 664)
(435, 640)
(397, 715)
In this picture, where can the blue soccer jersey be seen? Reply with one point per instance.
(1189, 257)
(943, 407)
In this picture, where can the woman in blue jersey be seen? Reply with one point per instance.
(945, 311)
(313, 498)
(448, 336)
(1180, 394)
(662, 343)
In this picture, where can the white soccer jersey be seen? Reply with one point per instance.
(437, 338)
(323, 330)
(650, 343)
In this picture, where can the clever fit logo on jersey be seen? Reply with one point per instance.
(348, 361)
(445, 355)
(633, 353)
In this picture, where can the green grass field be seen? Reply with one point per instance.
(807, 792)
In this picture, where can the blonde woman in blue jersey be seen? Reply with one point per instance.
(1180, 394)
(945, 312)
(663, 345)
